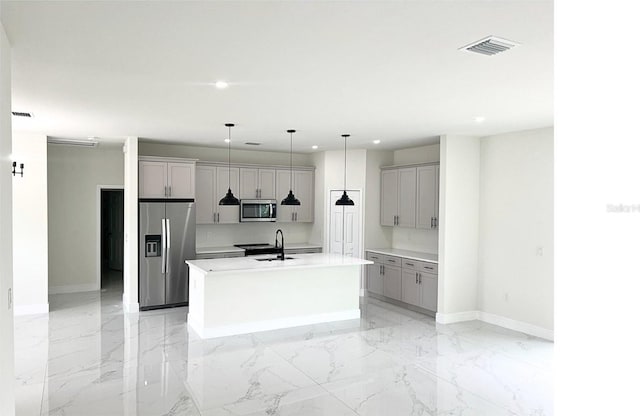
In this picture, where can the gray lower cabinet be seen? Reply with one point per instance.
(222, 255)
(410, 281)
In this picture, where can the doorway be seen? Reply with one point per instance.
(345, 227)
(111, 239)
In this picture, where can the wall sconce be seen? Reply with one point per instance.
(21, 169)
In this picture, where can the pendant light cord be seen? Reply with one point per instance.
(345, 163)
(291, 161)
(229, 159)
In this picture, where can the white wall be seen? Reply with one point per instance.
(30, 242)
(516, 222)
(316, 234)
(74, 174)
(130, 266)
(7, 382)
(412, 238)
(459, 222)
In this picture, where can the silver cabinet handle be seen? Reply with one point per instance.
(259, 193)
(431, 222)
(380, 267)
(391, 260)
(163, 241)
(416, 278)
(420, 275)
(165, 191)
(169, 190)
(296, 217)
(409, 264)
(218, 215)
(435, 222)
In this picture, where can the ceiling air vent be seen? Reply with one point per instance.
(73, 142)
(252, 143)
(490, 46)
(21, 114)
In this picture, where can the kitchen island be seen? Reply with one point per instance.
(240, 295)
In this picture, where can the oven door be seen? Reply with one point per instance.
(258, 210)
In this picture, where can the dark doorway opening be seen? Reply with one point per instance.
(111, 239)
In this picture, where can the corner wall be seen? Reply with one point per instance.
(74, 175)
(459, 223)
(130, 261)
(516, 227)
(7, 381)
(30, 228)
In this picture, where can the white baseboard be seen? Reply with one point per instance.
(451, 318)
(504, 322)
(249, 327)
(519, 326)
(33, 309)
(129, 307)
(88, 287)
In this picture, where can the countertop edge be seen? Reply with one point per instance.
(388, 252)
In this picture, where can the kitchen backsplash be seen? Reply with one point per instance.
(220, 235)
(415, 239)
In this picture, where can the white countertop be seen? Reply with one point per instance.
(251, 264)
(301, 245)
(413, 255)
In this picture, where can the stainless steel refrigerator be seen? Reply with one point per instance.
(167, 239)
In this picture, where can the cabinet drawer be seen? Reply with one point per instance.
(375, 257)
(427, 267)
(392, 261)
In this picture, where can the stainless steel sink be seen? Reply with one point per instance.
(275, 259)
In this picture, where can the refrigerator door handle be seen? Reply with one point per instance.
(163, 241)
(168, 234)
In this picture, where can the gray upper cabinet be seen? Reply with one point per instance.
(212, 183)
(166, 178)
(257, 183)
(409, 196)
(427, 213)
(398, 197)
(301, 182)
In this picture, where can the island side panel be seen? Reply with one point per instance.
(244, 302)
(195, 317)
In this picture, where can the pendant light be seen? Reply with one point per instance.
(344, 199)
(290, 199)
(229, 199)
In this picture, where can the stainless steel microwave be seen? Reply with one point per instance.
(258, 210)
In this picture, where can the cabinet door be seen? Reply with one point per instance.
(426, 176)
(392, 278)
(284, 212)
(152, 179)
(267, 184)
(205, 184)
(437, 197)
(374, 279)
(406, 197)
(303, 189)
(181, 179)
(388, 197)
(411, 289)
(227, 214)
(248, 183)
(429, 289)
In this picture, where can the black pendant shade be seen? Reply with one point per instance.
(344, 199)
(290, 199)
(229, 199)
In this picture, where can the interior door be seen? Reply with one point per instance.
(181, 231)
(151, 279)
(344, 225)
(115, 230)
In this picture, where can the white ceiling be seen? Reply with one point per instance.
(378, 70)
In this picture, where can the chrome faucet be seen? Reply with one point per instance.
(281, 255)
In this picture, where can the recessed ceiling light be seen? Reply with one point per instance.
(227, 140)
(376, 142)
(478, 119)
(221, 85)
(315, 146)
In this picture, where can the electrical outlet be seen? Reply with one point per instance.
(540, 251)
(506, 296)
(10, 295)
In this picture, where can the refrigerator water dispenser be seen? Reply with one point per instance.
(152, 245)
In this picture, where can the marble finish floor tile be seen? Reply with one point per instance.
(89, 358)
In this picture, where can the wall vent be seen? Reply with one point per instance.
(21, 114)
(73, 142)
(490, 45)
(252, 143)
